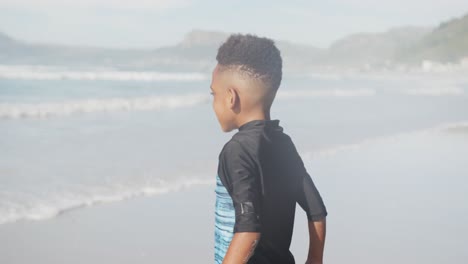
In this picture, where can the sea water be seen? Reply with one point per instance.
(73, 140)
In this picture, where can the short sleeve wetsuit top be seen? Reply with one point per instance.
(260, 179)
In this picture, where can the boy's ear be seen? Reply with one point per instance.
(233, 97)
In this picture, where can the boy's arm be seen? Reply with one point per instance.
(242, 247)
(238, 172)
(317, 233)
(309, 198)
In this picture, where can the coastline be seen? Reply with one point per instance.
(409, 178)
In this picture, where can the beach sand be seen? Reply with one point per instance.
(396, 200)
(171, 228)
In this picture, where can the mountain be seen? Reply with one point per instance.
(446, 43)
(6, 41)
(197, 50)
(19, 52)
(373, 48)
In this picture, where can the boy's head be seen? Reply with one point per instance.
(245, 79)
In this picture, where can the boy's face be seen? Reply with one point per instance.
(222, 100)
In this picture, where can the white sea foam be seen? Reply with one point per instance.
(26, 206)
(42, 110)
(434, 91)
(333, 150)
(149, 103)
(27, 72)
(325, 93)
(15, 206)
(397, 74)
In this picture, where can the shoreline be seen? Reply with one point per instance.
(408, 179)
(144, 229)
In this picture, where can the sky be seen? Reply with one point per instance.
(156, 23)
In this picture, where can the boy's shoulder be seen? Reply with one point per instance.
(246, 142)
(239, 145)
(255, 137)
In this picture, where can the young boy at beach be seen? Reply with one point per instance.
(260, 176)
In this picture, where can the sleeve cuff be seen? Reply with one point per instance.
(247, 228)
(317, 217)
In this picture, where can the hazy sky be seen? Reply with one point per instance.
(154, 23)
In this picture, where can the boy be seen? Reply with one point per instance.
(260, 174)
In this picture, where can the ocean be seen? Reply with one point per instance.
(387, 151)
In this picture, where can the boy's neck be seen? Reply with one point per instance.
(255, 116)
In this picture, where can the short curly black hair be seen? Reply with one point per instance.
(256, 56)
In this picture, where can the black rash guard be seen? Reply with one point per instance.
(262, 172)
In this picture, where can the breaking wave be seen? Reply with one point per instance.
(15, 206)
(22, 206)
(326, 93)
(44, 110)
(435, 91)
(51, 73)
(148, 103)
(332, 150)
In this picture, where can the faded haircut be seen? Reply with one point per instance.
(257, 57)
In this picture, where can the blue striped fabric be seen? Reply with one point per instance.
(224, 221)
